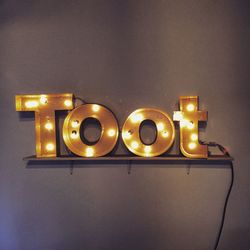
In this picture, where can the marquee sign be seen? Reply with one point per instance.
(45, 106)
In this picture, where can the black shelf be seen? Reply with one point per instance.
(128, 158)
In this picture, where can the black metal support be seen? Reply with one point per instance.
(125, 158)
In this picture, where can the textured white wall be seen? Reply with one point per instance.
(126, 55)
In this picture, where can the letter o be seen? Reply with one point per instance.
(165, 132)
(109, 132)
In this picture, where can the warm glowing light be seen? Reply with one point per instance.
(45, 107)
(89, 152)
(190, 125)
(131, 132)
(111, 132)
(49, 126)
(127, 135)
(147, 149)
(72, 131)
(192, 145)
(31, 104)
(95, 107)
(190, 107)
(50, 146)
(165, 134)
(75, 123)
(134, 144)
(178, 116)
(74, 135)
(194, 137)
(67, 103)
(43, 99)
(137, 118)
(160, 126)
(184, 123)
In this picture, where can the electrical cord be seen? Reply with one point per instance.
(75, 98)
(225, 152)
(209, 144)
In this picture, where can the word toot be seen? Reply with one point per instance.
(45, 106)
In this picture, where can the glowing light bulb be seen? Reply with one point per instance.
(190, 107)
(160, 126)
(137, 118)
(74, 134)
(184, 123)
(43, 99)
(190, 125)
(50, 146)
(194, 137)
(75, 123)
(165, 134)
(134, 144)
(111, 132)
(147, 149)
(192, 145)
(95, 107)
(67, 103)
(127, 134)
(49, 126)
(178, 116)
(31, 104)
(89, 152)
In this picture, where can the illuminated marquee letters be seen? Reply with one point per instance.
(189, 116)
(164, 137)
(109, 133)
(45, 106)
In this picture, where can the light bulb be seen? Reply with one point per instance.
(165, 134)
(134, 144)
(50, 146)
(127, 134)
(147, 149)
(31, 104)
(178, 116)
(111, 132)
(43, 99)
(190, 107)
(184, 123)
(137, 118)
(67, 103)
(190, 125)
(192, 145)
(48, 126)
(89, 152)
(95, 107)
(194, 137)
(75, 123)
(160, 126)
